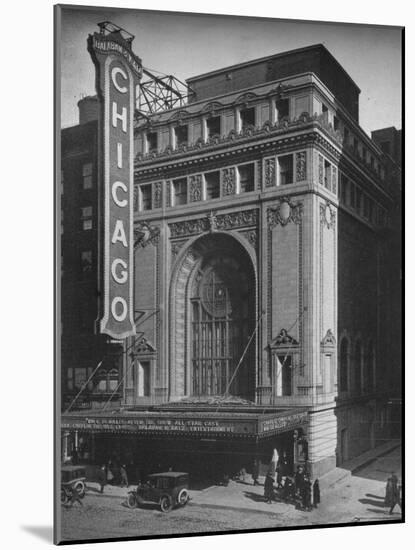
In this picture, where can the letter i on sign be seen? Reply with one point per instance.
(119, 155)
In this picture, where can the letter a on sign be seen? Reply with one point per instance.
(119, 72)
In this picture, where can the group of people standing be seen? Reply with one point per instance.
(299, 489)
(114, 474)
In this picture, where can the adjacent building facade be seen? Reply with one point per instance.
(263, 289)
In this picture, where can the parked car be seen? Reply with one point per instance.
(168, 489)
(72, 477)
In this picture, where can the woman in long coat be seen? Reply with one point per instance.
(269, 488)
(316, 493)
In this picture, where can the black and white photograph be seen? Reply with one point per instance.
(228, 268)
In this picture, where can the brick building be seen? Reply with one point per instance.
(263, 227)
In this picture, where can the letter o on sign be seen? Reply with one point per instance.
(119, 316)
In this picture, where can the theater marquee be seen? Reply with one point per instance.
(118, 73)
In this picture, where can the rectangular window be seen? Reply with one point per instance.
(181, 135)
(335, 123)
(146, 198)
(355, 145)
(87, 175)
(282, 107)
(346, 136)
(247, 117)
(352, 195)
(143, 379)
(285, 166)
(212, 180)
(86, 261)
(343, 188)
(152, 141)
(86, 215)
(69, 378)
(80, 377)
(246, 178)
(366, 206)
(325, 111)
(358, 200)
(180, 191)
(213, 126)
(284, 374)
(327, 175)
(364, 154)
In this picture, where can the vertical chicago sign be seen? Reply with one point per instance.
(118, 73)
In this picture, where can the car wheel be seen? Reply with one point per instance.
(183, 497)
(131, 501)
(166, 503)
(80, 488)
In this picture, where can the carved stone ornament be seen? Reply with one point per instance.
(145, 234)
(157, 197)
(144, 346)
(269, 172)
(283, 339)
(213, 222)
(228, 181)
(320, 170)
(251, 237)
(176, 246)
(327, 216)
(329, 340)
(195, 183)
(285, 212)
(300, 166)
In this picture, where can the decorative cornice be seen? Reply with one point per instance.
(329, 340)
(284, 212)
(283, 339)
(327, 215)
(143, 346)
(214, 222)
(267, 129)
(145, 234)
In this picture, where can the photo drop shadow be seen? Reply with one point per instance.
(43, 532)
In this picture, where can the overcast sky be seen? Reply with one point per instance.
(190, 44)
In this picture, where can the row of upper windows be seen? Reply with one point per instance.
(282, 170)
(283, 109)
(354, 198)
(212, 126)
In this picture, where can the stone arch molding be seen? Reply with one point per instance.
(184, 271)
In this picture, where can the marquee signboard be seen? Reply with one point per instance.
(118, 73)
(207, 425)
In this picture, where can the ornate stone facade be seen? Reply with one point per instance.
(269, 172)
(195, 185)
(221, 222)
(284, 212)
(300, 166)
(228, 181)
(145, 234)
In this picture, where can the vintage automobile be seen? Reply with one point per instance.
(72, 478)
(168, 489)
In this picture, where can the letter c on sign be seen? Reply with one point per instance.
(114, 72)
(118, 300)
(124, 273)
(116, 185)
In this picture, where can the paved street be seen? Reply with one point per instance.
(349, 498)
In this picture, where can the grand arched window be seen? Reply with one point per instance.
(221, 323)
(344, 366)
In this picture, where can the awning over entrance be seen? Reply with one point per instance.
(256, 423)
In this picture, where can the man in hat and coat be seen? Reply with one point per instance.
(316, 493)
(269, 488)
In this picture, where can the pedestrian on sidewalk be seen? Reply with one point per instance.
(393, 496)
(102, 478)
(306, 494)
(316, 493)
(269, 488)
(299, 480)
(124, 477)
(255, 472)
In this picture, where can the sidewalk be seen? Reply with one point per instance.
(353, 465)
(244, 496)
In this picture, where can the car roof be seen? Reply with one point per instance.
(169, 474)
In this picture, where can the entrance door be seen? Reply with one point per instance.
(220, 328)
